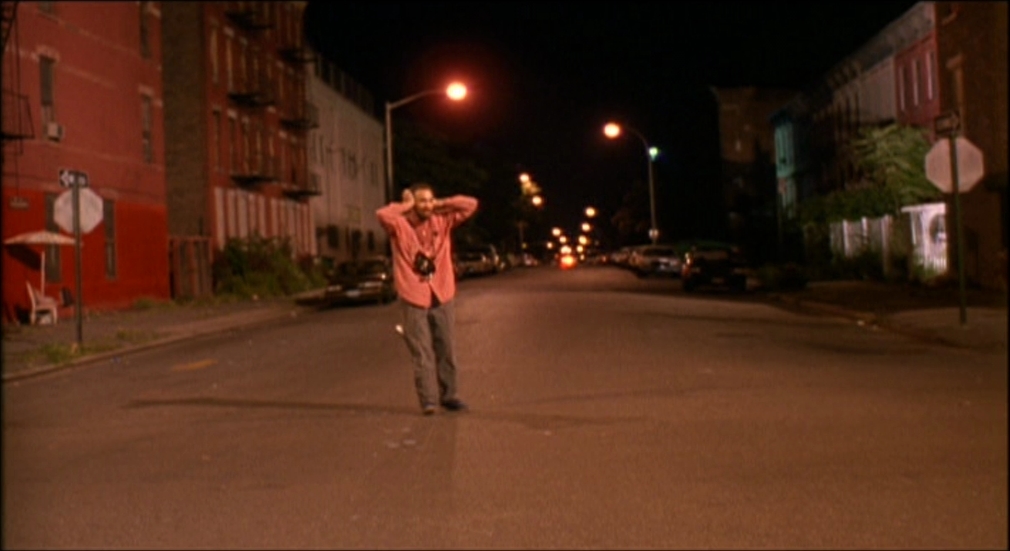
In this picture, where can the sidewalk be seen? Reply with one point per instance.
(929, 314)
(35, 350)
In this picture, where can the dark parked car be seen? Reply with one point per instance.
(368, 280)
(714, 264)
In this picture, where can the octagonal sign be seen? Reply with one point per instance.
(91, 210)
(969, 165)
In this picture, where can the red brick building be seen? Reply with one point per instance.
(236, 122)
(82, 90)
(972, 75)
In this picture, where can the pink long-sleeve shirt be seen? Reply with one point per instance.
(408, 235)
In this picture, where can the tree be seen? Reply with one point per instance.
(890, 161)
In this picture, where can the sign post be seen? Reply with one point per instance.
(954, 165)
(75, 180)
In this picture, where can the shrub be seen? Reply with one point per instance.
(263, 267)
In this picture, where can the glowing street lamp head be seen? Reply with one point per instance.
(537, 200)
(456, 91)
(612, 130)
(524, 178)
(586, 227)
(590, 212)
(556, 232)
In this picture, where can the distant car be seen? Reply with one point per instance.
(472, 263)
(656, 260)
(567, 261)
(716, 265)
(368, 280)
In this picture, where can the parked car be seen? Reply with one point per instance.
(656, 260)
(369, 280)
(714, 264)
(472, 263)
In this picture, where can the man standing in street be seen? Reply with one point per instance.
(420, 235)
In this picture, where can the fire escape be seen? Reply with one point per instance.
(299, 116)
(16, 112)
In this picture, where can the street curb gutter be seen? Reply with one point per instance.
(212, 326)
(872, 320)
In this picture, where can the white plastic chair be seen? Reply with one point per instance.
(43, 307)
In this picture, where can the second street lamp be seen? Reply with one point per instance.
(455, 91)
(613, 130)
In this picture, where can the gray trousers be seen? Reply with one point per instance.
(429, 336)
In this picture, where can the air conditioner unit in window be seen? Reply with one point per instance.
(54, 131)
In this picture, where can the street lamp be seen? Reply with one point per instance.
(613, 130)
(590, 212)
(455, 91)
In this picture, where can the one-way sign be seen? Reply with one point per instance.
(71, 178)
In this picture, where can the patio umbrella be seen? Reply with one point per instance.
(42, 238)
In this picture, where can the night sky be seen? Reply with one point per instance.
(544, 77)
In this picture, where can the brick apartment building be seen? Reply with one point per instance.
(346, 165)
(747, 149)
(82, 91)
(236, 127)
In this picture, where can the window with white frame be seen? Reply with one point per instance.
(915, 82)
(930, 75)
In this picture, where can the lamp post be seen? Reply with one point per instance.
(613, 130)
(455, 91)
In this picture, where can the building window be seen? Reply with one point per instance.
(371, 241)
(245, 146)
(47, 77)
(109, 220)
(930, 75)
(232, 149)
(53, 266)
(243, 61)
(214, 68)
(915, 82)
(145, 124)
(228, 64)
(216, 149)
(145, 32)
(901, 89)
(47, 7)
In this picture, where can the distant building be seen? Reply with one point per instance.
(82, 91)
(972, 58)
(345, 165)
(747, 148)
(236, 123)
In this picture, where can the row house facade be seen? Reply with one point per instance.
(346, 163)
(904, 74)
(885, 81)
(862, 90)
(747, 153)
(82, 91)
(237, 125)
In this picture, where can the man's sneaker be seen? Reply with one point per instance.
(454, 405)
(429, 409)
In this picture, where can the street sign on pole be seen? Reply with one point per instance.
(970, 169)
(91, 210)
(77, 210)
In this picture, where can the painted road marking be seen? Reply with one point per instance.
(194, 366)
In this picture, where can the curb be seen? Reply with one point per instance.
(211, 328)
(872, 320)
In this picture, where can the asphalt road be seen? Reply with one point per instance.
(607, 412)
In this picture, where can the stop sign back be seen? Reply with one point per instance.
(969, 165)
(91, 210)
